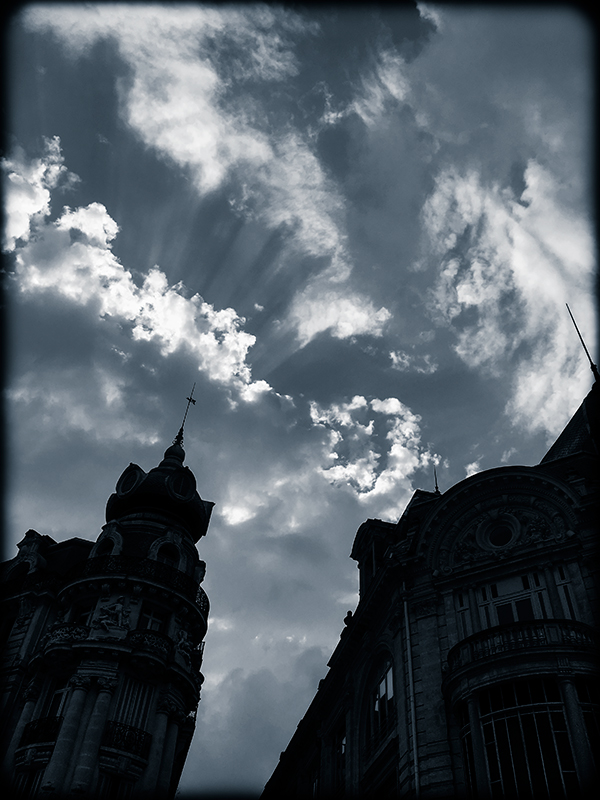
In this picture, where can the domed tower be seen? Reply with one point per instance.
(109, 684)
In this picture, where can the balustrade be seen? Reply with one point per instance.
(144, 568)
(523, 636)
(151, 641)
(127, 739)
(41, 730)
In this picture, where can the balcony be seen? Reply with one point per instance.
(146, 569)
(551, 634)
(152, 642)
(41, 731)
(127, 739)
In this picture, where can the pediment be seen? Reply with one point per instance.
(494, 516)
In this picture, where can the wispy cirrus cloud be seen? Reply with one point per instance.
(507, 265)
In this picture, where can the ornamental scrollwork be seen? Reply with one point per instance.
(66, 632)
(150, 641)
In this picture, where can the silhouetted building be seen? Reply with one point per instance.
(103, 645)
(470, 667)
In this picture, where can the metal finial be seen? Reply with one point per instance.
(179, 438)
(593, 367)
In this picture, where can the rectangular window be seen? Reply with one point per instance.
(566, 593)
(56, 699)
(505, 614)
(524, 609)
(152, 618)
(82, 612)
(516, 601)
(382, 708)
(133, 702)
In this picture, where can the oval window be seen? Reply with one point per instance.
(500, 535)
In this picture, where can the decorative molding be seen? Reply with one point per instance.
(79, 682)
(106, 684)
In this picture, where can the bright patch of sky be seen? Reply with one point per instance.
(355, 229)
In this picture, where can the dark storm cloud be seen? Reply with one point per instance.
(260, 708)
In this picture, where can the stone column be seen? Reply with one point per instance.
(482, 788)
(63, 749)
(31, 694)
(149, 780)
(88, 755)
(555, 604)
(169, 750)
(582, 752)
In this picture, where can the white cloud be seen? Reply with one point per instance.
(374, 460)
(72, 258)
(95, 407)
(472, 469)
(27, 185)
(430, 12)
(190, 105)
(404, 362)
(323, 306)
(518, 261)
(337, 413)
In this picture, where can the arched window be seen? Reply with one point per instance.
(526, 741)
(104, 548)
(381, 711)
(168, 554)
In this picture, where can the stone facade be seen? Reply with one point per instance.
(470, 667)
(103, 644)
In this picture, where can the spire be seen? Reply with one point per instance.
(179, 438)
(593, 367)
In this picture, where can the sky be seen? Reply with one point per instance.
(354, 228)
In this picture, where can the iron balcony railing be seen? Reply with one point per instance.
(41, 730)
(519, 636)
(151, 641)
(127, 739)
(144, 568)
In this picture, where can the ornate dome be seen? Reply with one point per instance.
(169, 490)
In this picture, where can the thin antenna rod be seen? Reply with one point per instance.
(179, 438)
(593, 367)
(437, 488)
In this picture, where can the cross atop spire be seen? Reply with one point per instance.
(437, 488)
(179, 438)
(593, 367)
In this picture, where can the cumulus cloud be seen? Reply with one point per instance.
(27, 185)
(192, 106)
(72, 257)
(375, 448)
